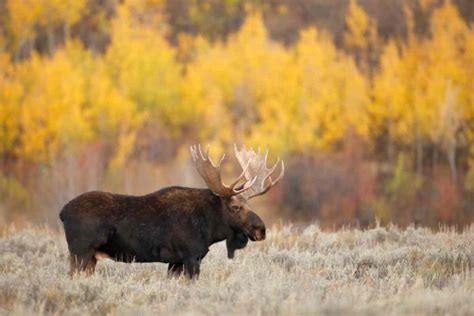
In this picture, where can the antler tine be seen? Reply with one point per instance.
(193, 152)
(272, 169)
(266, 157)
(200, 152)
(208, 157)
(220, 161)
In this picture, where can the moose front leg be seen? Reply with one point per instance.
(175, 270)
(192, 268)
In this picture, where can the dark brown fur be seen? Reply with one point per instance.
(175, 225)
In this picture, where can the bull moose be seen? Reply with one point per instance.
(175, 225)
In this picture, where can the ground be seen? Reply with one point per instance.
(377, 271)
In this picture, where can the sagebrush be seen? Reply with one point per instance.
(382, 270)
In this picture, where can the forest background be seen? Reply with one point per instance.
(369, 102)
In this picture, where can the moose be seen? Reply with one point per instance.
(174, 225)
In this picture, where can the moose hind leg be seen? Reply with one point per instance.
(90, 267)
(84, 262)
(175, 270)
(83, 240)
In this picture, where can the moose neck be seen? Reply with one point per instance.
(219, 226)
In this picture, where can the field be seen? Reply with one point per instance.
(382, 270)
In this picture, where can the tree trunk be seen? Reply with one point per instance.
(66, 30)
(50, 36)
(419, 153)
(29, 47)
(435, 158)
(452, 160)
(390, 146)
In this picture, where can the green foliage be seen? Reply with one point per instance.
(404, 184)
(401, 190)
(469, 182)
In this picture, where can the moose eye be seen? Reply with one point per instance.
(236, 208)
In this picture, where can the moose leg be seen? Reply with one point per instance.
(90, 267)
(175, 269)
(83, 240)
(79, 263)
(191, 268)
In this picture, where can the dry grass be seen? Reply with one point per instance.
(379, 271)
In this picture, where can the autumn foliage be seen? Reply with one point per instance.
(98, 94)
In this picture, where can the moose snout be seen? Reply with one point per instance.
(259, 233)
(256, 228)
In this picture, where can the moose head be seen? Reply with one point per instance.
(255, 179)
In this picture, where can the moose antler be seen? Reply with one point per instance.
(256, 168)
(211, 174)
